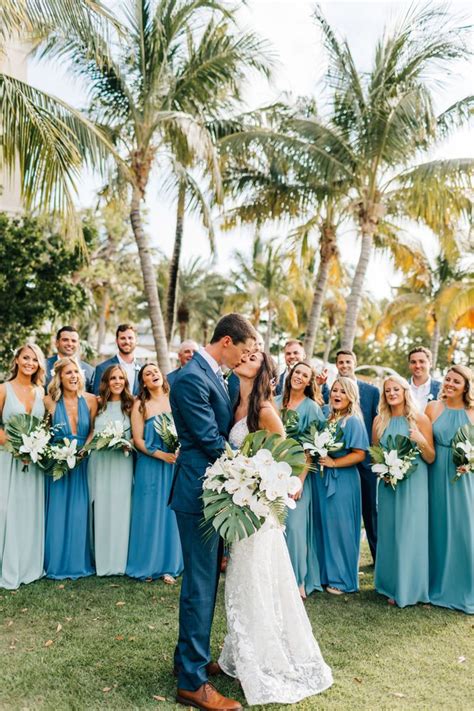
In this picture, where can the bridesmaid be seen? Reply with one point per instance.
(21, 493)
(337, 494)
(67, 545)
(401, 567)
(154, 549)
(451, 504)
(110, 475)
(300, 394)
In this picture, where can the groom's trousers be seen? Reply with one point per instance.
(202, 558)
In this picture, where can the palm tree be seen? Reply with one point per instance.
(443, 295)
(149, 92)
(43, 140)
(384, 121)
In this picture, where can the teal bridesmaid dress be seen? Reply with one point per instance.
(337, 513)
(299, 525)
(154, 548)
(402, 563)
(451, 530)
(67, 543)
(110, 475)
(21, 507)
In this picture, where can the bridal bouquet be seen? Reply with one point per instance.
(395, 461)
(112, 437)
(462, 446)
(62, 457)
(322, 439)
(243, 488)
(165, 427)
(28, 438)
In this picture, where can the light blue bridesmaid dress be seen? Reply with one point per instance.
(451, 530)
(110, 475)
(154, 548)
(337, 510)
(67, 544)
(299, 524)
(21, 507)
(401, 566)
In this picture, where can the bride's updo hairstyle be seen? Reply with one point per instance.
(262, 390)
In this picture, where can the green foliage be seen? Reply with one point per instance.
(37, 281)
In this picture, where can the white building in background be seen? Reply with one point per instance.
(13, 61)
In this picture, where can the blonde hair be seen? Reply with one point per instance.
(468, 394)
(351, 389)
(55, 388)
(410, 410)
(37, 378)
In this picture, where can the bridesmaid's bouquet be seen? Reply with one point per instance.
(395, 461)
(291, 422)
(322, 439)
(28, 439)
(165, 427)
(62, 457)
(243, 488)
(462, 447)
(111, 438)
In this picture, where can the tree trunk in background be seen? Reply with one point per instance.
(353, 302)
(149, 283)
(174, 263)
(327, 348)
(328, 249)
(104, 307)
(434, 346)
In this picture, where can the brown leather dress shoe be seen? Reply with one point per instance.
(213, 669)
(208, 698)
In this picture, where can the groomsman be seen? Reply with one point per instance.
(422, 386)
(126, 340)
(369, 395)
(67, 346)
(293, 353)
(186, 351)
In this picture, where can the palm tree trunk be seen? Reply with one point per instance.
(174, 263)
(327, 251)
(104, 306)
(149, 282)
(434, 346)
(353, 302)
(327, 348)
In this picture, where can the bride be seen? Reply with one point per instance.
(269, 645)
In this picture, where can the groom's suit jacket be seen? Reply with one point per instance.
(202, 413)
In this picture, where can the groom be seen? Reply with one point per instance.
(203, 414)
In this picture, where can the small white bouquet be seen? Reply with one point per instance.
(112, 437)
(395, 461)
(27, 439)
(165, 427)
(242, 489)
(462, 446)
(323, 438)
(62, 457)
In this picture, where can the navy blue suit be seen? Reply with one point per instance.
(233, 384)
(172, 375)
(369, 402)
(102, 367)
(281, 382)
(88, 371)
(203, 416)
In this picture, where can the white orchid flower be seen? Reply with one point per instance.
(242, 497)
(67, 453)
(263, 457)
(259, 508)
(34, 444)
(380, 469)
(294, 485)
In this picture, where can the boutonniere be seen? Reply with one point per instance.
(430, 396)
(137, 366)
(228, 374)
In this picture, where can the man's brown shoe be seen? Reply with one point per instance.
(208, 698)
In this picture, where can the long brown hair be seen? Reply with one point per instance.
(312, 390)
(39, 376)
(143, 392)
(126, 397)
(262, 391)
(468, 393)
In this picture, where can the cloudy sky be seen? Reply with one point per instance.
(293, 35)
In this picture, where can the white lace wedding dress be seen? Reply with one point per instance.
(269, 645)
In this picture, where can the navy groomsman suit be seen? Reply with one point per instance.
(203, 416)
(369, 401)
(102, 367)
(87, 369)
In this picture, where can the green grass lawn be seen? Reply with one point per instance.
(108, 643)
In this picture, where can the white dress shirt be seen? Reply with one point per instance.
(130, 369)
(420, 393)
